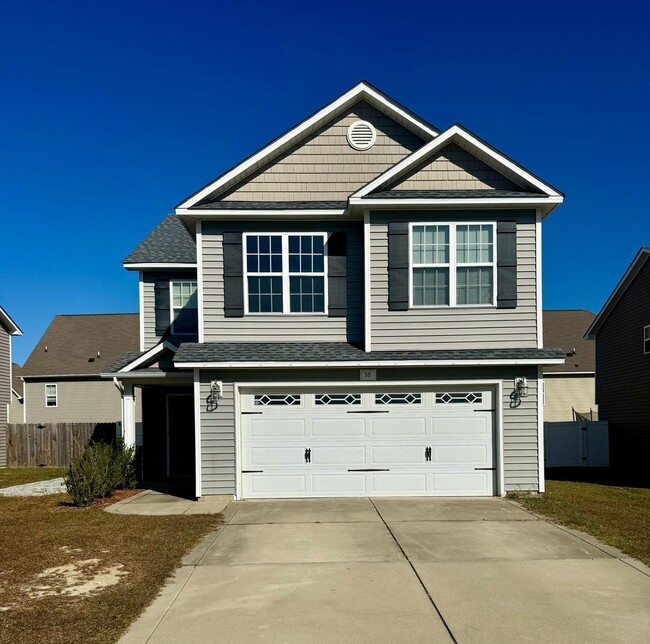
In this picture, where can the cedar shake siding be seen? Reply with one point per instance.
(5, 390)
(280, 327)
(520, 448)
(323, 166)
(458, 327)
(623, 380)
(454, 169)
(148, 313)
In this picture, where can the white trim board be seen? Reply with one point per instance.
(197, 434)
(154, 352)
(371, 363)
(145, 266)
(8, 323)
(455, 133)
(360, 91)
(511, 202)
(210, 213)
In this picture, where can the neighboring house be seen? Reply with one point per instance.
(8, 328)
(622, 334)
(61, 376)
(353, 310)
(17, 405)
(570, 387)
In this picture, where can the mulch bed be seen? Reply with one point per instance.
(118, 495)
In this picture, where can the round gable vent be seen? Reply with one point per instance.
(361, 135)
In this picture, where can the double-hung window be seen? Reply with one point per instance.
(285, 273)
(50, 396)
(452, 265)
(184, 307)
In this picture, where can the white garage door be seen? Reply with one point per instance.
(348, 442)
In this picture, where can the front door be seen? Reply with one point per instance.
(180, 434)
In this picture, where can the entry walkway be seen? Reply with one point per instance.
(398, 570)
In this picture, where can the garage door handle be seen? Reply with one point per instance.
(308, 455)
(378, 411)
(489, 469)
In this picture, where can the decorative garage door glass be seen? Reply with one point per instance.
(363, 443)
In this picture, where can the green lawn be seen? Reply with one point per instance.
(81, 576)
(618, 516)
(18, 475)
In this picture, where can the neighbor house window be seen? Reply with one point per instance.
(50, 396)
(285, 273)
(452, 265)
(646, 339)
(184, 303)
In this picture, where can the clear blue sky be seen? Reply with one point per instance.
(113, 112)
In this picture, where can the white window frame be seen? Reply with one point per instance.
(285, 274)
(56, 395)
(646, 338)
(171, 304)
(453, 264)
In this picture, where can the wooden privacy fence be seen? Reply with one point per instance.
(55, 444)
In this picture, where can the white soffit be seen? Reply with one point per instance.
(473, 145)
(361, 91)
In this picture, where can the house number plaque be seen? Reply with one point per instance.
(368, 374)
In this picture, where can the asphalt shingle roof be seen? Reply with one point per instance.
(74, 341)
(270, 205)
(16, 382)
(338, 352)
(451, 194)
(565, 328)
(168, 243)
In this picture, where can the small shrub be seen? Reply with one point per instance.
(101, 469)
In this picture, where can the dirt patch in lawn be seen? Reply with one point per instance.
(83, 575)
(618, 516)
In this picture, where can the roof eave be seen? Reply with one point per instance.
(637, 264)
(9, 324)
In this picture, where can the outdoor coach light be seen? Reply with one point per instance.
(216, 388)
(521, 387)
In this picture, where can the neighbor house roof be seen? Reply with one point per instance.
(16, 382)
(635, 267)
(83, 344)
(168, 243)
(565, 328)
(8, 323)
(303, 353)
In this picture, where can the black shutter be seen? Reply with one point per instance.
(161, 306)
(233, 276)
(506, 264)
(337, 275)
(398, 266)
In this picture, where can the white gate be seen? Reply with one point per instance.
(576, 444)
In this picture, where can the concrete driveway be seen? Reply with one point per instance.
(398, 570)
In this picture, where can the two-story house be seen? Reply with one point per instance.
(353, 310)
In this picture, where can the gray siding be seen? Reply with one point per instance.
(520, 424)
(148, 301)
(323, 166)
(279, 328)
(16, 410)
(454, 169)
(79, 401)
(566, 392)
(623, 380)
(461, 327)
(5, 390)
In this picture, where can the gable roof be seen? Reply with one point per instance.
(6, 321)
(635, 267)
(169, 244)
(83, 344)
(565, 328)
(477, 147)
(16, 382)
(362, 91)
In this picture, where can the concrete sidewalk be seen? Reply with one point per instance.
(398, 570)
(151, 502)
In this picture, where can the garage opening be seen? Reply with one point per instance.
(386, 442)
